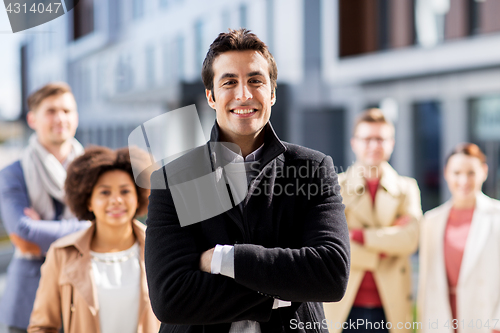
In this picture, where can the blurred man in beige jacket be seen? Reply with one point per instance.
(382, 211)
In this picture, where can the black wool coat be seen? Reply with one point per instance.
(291, 243)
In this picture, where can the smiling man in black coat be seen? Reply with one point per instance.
(266, 262)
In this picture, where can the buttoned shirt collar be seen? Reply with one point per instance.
(233, 157)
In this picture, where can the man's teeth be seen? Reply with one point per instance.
(243, 111)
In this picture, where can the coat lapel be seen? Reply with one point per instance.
(361, 207)
(436, 275)
(386, 207)
(359, 200)
(439, 225)
(79, 272)
(140, 236)
(273, 148)
(388, 196)
(478, 234)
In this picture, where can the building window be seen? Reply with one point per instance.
(270, 24)
(325, 131)
(180, 58)
(474, 17)
(124, 74)
(137, 9)
(427, 140)
(115, 16)
(243, 16)
(167, 62)
(150, 65)
(200, 50)
(372, 25)
(83, 19)
(485, 132)
(164, 3)
(384, 24)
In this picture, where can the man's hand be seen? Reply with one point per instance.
(25, 246)
(206, 260)
(31, 213)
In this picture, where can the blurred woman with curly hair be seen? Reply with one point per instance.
(94, 280)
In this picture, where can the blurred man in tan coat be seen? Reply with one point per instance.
(382, 211)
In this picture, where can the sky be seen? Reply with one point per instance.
(10, 78)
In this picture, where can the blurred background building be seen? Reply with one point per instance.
(432, 65)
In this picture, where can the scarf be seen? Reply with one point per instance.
(45, 176)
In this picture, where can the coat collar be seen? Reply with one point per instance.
(273, 146)
(358, 197)
(478, 234)
(389, 179)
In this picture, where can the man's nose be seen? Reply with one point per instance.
(243, 93)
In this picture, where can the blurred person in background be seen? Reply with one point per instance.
(31, 189)
(459, 271)
(94, 280)
(382, 211)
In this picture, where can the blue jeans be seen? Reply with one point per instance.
(366, 320)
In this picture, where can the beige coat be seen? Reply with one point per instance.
(66, 288)
(478, 288)
(396, 196)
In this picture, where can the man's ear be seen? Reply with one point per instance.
(273, 96)
(31, 120)
(210, 100)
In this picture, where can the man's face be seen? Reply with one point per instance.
(55, 120)
(242, 93)
(373, 143)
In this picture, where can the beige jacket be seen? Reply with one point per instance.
(396, 196)
(66, 288)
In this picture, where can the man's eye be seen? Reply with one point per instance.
(228, 83)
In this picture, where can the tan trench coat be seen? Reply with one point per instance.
(67, 288)
(396, 196)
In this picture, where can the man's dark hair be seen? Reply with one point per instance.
(84, 172)
(236, 40)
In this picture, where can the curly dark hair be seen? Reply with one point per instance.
(84, 172)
